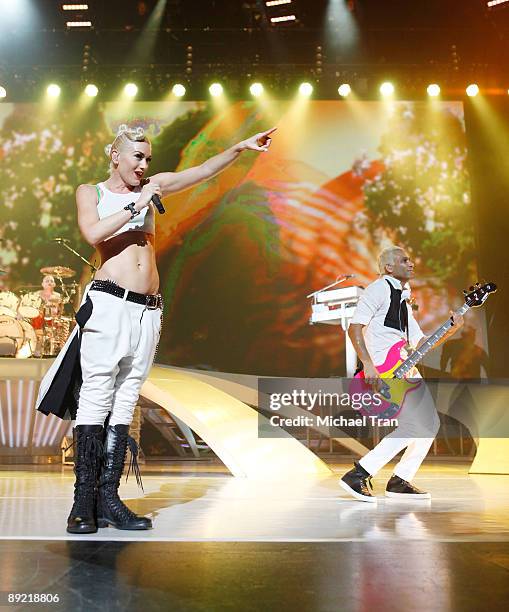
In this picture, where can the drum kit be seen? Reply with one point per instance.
(34, 323)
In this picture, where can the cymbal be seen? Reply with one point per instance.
(60, 271)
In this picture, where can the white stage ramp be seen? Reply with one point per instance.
(230, 428)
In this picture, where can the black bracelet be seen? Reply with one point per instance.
(132, 210)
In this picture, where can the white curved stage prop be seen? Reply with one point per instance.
(245, 388)
(230, 428)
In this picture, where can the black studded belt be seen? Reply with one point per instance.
(152, 302)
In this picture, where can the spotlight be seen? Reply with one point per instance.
(189, 59)
(344, 90)
(216, 89)
(305, 89)
(131, 90)
(387, 89)
(433, 90)
(91, 90)
(472, 90)
(178, 90)
(3, 92)
(53, 90)
(256, 89)
(79, 24)
(283, 18)
(318, 60)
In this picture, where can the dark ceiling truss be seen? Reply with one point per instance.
(197, 40)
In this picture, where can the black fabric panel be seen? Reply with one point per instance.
(62, 396)
(397, 315)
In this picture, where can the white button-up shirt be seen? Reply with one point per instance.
(371, 311)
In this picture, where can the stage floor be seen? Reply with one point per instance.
(201, 502)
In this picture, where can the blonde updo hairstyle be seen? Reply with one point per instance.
(124, 139)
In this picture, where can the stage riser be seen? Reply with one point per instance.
(27, 436)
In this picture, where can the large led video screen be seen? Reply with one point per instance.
(238, 255)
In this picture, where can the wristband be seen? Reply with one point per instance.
(132, 210)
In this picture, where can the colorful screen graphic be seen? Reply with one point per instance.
(238, 255)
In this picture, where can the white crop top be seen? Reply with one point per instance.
(108, 203)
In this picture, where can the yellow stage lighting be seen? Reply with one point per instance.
(130, 90)
(91, 90)
(305, 89)
(79, 24)
(492, 3)
(53, 90)
(3, 92)
(283, 18)
(178, 90)
(256, 89)
(472, 90)
(216, 89)
(387, 89)
(433, 90)
(344, 90)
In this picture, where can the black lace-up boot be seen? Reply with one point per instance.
(357, 482)
(110, 509)
(88, 443)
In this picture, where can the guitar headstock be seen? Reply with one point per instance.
(478, 294)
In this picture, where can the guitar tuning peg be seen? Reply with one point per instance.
(465, 292)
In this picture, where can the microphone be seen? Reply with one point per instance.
(156, 201)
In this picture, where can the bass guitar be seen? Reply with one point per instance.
(396, 371)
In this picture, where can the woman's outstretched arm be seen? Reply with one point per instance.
(172, 182)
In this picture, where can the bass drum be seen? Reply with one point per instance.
(30, 305)
(8, 303)
(12, 336)
(29, 341)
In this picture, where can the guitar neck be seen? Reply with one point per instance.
(425, 347)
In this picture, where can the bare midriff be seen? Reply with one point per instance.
(129, 259)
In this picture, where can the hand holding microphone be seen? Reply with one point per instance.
(151, 192)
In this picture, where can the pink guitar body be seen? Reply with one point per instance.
(395, 389)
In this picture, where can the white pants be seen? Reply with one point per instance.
(118, 346)
(418, 424)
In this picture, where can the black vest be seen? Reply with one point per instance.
(397, 315)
